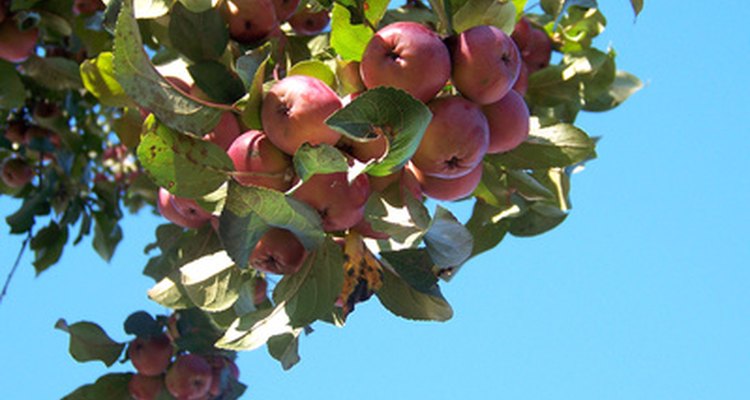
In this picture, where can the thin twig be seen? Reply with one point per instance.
(15, 266)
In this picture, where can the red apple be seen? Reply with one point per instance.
(486, 63)
(16, 45)
(508, 121)
(143, 387)
(448, 189)
(407, 183)
(339, 204)
(16, 173)
(455, 140)
(306, 22)
(223, 369)
(294, 112)
(225, 132)
(538, 52)
(522, 83)
(278, 252)
(16, 132)
(409, 56)
(151, 355)
(522, 33)
(189, 378)
(86, 7)
(180, 211)
(250, 20)
(258, 162)
(364, 151)
(284, 8)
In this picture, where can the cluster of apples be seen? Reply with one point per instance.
(251, 21)
(185, 376)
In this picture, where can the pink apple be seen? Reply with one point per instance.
(486, 63)
(284, 8)
(409, 56)
(306, 22)
(508, 121)
(225, 132)
(87, 7)
(189, 378)
(448, 189)
(278, 252)
(143, 387)
(455, 140)
(539, 50)
(16, 45)
(339, 204)
(181, 211)
(258, 162)
(294, 112)
(151, 355)
(250, 20)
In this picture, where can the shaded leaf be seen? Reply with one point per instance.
(285, 348)
(12, 90)
(89, 342)
(212, 282)
(56, 73)
(414, 266)
(107, 235)
(110, 387)
(406, 302)
(485, 12)
(323, 159)
(251, 69)
(217, 81)
(553, 146)
(448, 242)
(183, 26)
(48, 244)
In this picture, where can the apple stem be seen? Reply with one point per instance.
(15, 266)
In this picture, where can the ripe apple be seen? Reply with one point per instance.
(405, 180)
(16, 45)
(284, 8)
(522, 33)
(223, 369)
(87, 7)
(258, 162)
(294, 112)
(225, 132)
(16, 132)
(508, 121)
(538, 52)
(17, 173)
(409, 56)
(364, 151)
(448, 189)
(150, 355)
(522, 83)
(180, 211)
(486, 63)
(306, 22)
(339, 204)
(189, 378)
(278, 252)
(455, 140)
(143, 387)
(250, 20)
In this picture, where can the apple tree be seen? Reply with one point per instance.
(301, 139)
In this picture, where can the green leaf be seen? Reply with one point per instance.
(110, 387)
(488, 225)
(253, 330)
(150, 9)
(323, 159)
(184, 165)
(485, 12)
(315, 69)
(209, 44)
(107, 235)
(212, 282)
(56, 73)
(388, 111)
(448, 242)
(170, 293)
(217, 81)
(252, 70)
(285, 348)
(414, 266)
(48, 245)
(405, 224)
(311, 293)
(12, 90)
(623, 86)
(540, 217)
(36, 204)
(637, 6)
(248, 210)
(549, 87)
(89, 342)
(406, 302)
(98, 77)
(178, 247)
(197, 331)
(349, 39)
(149, 89)
(199, 5)
(559, 145)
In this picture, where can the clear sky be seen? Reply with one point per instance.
(641, 294)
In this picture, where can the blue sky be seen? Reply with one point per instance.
(641, 294)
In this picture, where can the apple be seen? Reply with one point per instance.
(143, 387)
(16, 45)
(405, 179)
(448, 189)
(284, 8)
(225, 132)
(294, 112)
(16, 132)
(260, 291)
(278, 252)
(522, 33)
(223, 369)
(508, 121)
(87, 7)
(539, 50)
(36, 133)
(522, 83)
(258, 162)
(306, 22)
(409, 56)
(339, 204)
(189, 378)
(456, 139)
(180, 211)
(150, 355)
(373, 149)
(16, 173)
(486, 63)
(250, 20)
